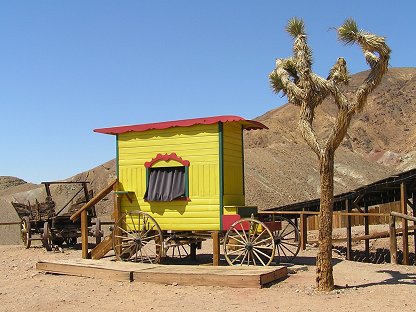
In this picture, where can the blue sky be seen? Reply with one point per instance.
(67, 67)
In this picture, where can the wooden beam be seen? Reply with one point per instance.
(403, 216)
(84, 234)
(403, 205)
(94, 200)
(215, 248)
(340, 213)
(349, 233)
(303, 231)
(102, 248)
(393, 240)
(367, 232)
(383, 234)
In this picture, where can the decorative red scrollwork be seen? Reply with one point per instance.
(166, 157)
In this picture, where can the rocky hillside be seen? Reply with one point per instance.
(7, 182)
(281, 169)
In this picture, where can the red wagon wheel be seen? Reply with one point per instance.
(25, 232)
(137, 238)
(249, 242)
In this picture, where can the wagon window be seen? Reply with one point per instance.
(166, 184)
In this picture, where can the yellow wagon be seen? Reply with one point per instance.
(178, 181)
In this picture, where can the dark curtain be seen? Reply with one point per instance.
(165, 184)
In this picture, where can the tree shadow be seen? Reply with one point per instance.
(396, 278)
(304, 260)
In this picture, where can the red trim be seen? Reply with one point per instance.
(247, 124)
(166, 157)
(228, 220)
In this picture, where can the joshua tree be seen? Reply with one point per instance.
(294, 77)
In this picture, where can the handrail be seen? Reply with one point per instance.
(402, 215)
(94, 200)
(335, 213)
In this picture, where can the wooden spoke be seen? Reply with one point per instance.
(253, 247)
(286, 240)
(141, 240)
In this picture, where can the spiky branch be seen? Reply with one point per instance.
(294, 77)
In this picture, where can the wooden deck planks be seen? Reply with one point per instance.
(240, 277)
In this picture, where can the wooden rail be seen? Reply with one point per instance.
(303, 228)
(82, 212)
(393, 236)
(94, 200)
(9, 223)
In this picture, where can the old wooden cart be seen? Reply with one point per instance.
(181, 181)
(41, 221)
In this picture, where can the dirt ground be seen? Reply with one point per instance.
(360, 287)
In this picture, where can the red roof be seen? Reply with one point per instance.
(247, 124)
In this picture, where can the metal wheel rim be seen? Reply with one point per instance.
(287, 241)
(137, 238)
(25, 232)
(249, 247)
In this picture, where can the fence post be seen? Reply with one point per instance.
(216, 248)
(349, 234)
(393, 241)
(303, 230)
(84, 234)
(403, 206)
(366, 232)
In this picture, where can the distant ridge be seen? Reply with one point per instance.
(280, 168)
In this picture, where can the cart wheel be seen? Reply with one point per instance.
(249, 242)
(175, 248)
(137, 238)
(70, 241)
(25, 232)
(286, 240)
(47, 236)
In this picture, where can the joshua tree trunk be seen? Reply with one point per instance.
(324, 276)
(303, 88)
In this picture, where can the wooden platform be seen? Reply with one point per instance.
(241, 277)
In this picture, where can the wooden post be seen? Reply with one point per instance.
(366, 232)
(116, 217)
(303, 230)
(393, 241)
(414, 222)
(215, 248)
(84, 234)
(193, 251)
(349, 234)
(403, 205)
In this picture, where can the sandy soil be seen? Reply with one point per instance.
(360, 287)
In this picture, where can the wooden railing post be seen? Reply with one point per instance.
(349, 234)
(303, 230)
(366, 232)
(84, 234)
(403, 205)
(393, 241)
(215, 248)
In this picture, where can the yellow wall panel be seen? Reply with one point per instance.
(233, 165)
(197, 144)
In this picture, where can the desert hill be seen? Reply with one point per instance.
(281, 169)
(279, 166)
